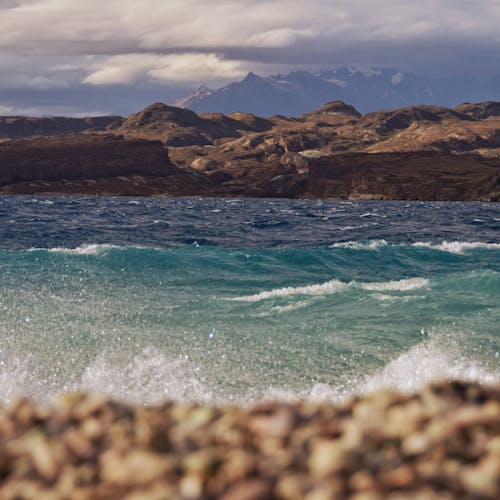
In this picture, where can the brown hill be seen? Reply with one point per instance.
(177, 126)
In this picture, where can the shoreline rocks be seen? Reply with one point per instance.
(443, 442)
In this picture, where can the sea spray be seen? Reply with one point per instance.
(222, 301)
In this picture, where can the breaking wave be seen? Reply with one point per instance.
(89, 249)
(456, 247)
(336, 286)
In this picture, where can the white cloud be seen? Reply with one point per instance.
(188, 67)
(196, 67)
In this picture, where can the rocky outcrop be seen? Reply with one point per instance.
(336, 108)
(405, 176)
(387, 122)
(16, 127)
(177, 126)
(480, 110)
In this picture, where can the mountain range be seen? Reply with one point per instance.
(367, 89)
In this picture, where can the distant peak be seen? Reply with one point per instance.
(203, 90)
(251, 76)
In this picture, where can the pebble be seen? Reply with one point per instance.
(443, 442)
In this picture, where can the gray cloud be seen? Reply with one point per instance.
(46, 44)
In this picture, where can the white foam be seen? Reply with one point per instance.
(87, 249)
(149, 376)
(357, 245)
(397, 286)
(336, 286)
(425, 363)
(90, 249)
(458, 247)
(328, 288)
(14, 374)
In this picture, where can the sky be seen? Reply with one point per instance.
(88, 56)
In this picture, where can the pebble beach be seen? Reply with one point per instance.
(442, 442)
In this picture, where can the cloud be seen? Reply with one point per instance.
(190, 67)
(50, 110)
(125, 26)
(126, 41)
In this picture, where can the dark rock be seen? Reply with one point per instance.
(16, 127)
(95, 164)
(81, 157)
(405, 176)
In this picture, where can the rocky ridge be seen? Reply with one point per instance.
(420, 152)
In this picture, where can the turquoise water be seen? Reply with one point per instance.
(207, 305)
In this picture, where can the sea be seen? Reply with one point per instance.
(233, 301)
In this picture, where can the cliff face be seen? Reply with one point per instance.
(405, 176)
(15, 127)
(80, 157)
(95, 164)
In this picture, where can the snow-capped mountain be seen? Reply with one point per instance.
(367, 89)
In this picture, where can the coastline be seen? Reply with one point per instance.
(442, 442)
(426, 153)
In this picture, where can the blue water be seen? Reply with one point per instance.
(239, 300)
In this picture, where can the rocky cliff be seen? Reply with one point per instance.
(93, 164)
(405, 176)
(15, 127)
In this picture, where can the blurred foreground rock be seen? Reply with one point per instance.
(441, 443)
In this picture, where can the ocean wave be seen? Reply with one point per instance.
(359, 245)
(336, 286)
(424, 363)
(147, 377)
(458, 247)
(90, 249)
(395, 286)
